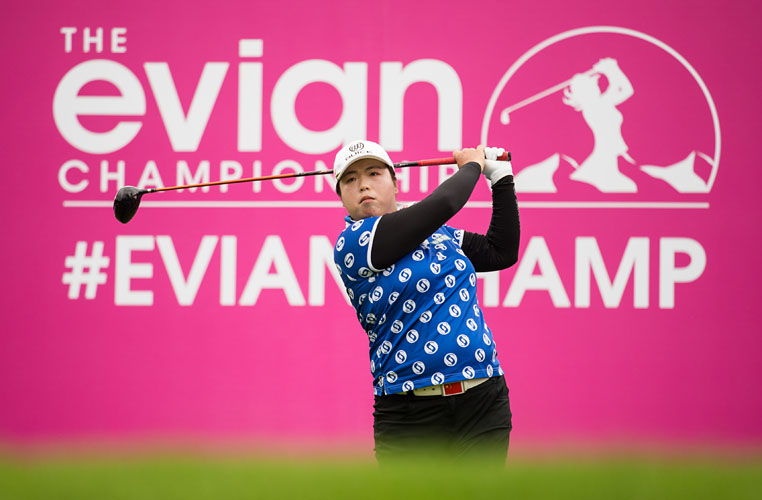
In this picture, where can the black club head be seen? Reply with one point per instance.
(126, 203)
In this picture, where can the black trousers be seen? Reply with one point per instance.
(472, 425)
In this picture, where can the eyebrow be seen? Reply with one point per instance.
(369, 167)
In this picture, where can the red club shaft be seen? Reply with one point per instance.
(422, 163)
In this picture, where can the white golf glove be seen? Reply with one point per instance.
(495, 170)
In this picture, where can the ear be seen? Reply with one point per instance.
(396, 187)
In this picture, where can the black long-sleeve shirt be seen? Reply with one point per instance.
(400, 232)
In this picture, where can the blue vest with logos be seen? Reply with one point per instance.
(421, 315)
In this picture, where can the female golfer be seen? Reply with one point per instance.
(412, 281)
(599, 110)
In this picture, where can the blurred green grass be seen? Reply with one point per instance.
(198, 476)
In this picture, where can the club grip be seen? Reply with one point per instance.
(449, 161)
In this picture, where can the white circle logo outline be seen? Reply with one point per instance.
(619, 31)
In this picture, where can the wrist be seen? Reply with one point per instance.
(495, 170)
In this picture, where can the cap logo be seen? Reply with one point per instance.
(357, 147)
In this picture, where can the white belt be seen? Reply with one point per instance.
(449, 389)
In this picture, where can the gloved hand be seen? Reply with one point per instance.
(495, 170)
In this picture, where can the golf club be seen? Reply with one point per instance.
(127, 199)
(505, 115)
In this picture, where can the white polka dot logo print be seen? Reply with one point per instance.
(460, 265)
(397, 326)
(370, 319)
(405, 275)
(364, 238)
(440, 256)
(349, 260)
(439, 298)
(418, 255)
(464, 295)
(449, 281)
(469, 372)
(408, 385)
(377, 293)
(435, 268)
(389, 270)
(486, 339)
(450, 359)
(419, 367)
(400, 356)
(340, 244)
(479, 355)
(408, 306)
(412, 336)
(471, 324)
(425, 317)
(393, 297)
(443, 328)
(490, 370)
(357, 225)
(437, 378)
(431, 347)
(386, 347)
(472, 279)
(454, 311)
(365, 272)
(391, 377)
(423, 285)
(463, 340)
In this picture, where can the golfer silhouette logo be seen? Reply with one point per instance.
(635, 117)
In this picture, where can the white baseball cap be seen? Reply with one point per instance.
(358, 150)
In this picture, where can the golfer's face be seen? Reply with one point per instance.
(367, 189)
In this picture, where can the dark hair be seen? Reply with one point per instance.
(391, 171)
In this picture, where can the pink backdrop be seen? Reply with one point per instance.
(251, 338)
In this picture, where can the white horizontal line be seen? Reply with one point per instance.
(612, 204)
(336, 204)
